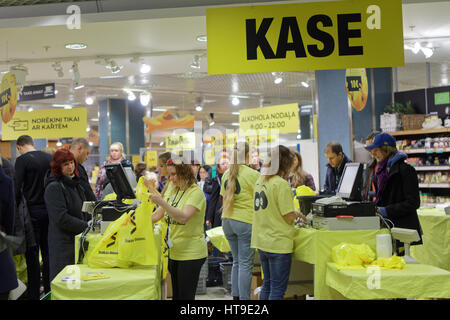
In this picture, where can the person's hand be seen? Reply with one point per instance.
(300, 216)
(208, 223)
(154, 195)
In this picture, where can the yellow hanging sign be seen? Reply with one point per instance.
(283, 118)
(151, 158)
(185, 141)
(45, 124)
(305, 36)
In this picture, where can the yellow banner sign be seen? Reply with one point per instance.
(305, 36)
(283, 118)
(151, 158)
(185, 141)
(45, 124)
(8, 97)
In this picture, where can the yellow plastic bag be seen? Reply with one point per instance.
(218, 239)
(127, 241)
(394, 262)
(302, 191)
(350, 255)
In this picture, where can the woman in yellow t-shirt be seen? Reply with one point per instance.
(184, 210)
(273, 229)
(237, 191)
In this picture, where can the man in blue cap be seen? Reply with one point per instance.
(397, 196)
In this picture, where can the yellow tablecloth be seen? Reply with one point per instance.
(218, 239)
(435, 249)
(314, 246)
(414, 281)
(123, 284)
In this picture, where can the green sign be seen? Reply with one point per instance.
(442, 98)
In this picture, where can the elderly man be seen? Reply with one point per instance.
(81, 149)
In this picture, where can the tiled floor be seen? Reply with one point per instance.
(214, 293)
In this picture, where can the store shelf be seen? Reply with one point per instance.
(432, 150)
(419, 131)
(434, 185)
(432, 168)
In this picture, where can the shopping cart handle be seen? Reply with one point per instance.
(345, 217)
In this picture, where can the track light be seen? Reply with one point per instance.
(90, 98)
(428, 51)
(76, 76)
(278, 77)
(211, 119)
(143, 67)
(58, 69)
(110, 64)
(198, 108)
(305, 84)
(145, 98)
(196, 62)
(235, 101)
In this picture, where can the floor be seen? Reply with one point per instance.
(214, 293)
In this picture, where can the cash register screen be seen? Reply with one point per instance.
(351, 177)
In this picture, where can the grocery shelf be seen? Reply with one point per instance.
(432, 168)
(419, 131)
(434, 185)
(432, 150)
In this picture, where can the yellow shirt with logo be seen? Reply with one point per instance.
(243, 198)
(188, 239)
(273, 199)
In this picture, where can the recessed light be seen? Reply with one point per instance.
(159, 109)
(235, 124)
(236, 113)
(145, 68)
(79, 87)
(201, 38)
(68, 107)
(76, 46)
(198, 108)
(235, 101)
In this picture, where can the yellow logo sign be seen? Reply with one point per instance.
(166, 120)
(357, 87)
(8, 97)
(305, 36)
(48, 123)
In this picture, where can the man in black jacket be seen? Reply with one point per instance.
(31, 168)
(81, 149)
(336, 163)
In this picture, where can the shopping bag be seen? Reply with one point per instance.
(351, 255)
(136, 239)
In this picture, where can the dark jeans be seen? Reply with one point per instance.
(39, 219)
(185, 275)
(276, 269)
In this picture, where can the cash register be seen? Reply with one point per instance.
(346, 210)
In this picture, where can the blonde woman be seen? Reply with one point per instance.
(237, 188)
(116, 155)
(273, 229)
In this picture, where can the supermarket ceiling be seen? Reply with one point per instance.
(163, 34)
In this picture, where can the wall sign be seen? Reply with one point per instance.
(37, 92)
(305, 36)
(283, 118)
(45, 124)
(357, 87)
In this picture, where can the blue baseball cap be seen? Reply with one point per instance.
(382, 139)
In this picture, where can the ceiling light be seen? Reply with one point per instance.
(111, 77)
(131, 96)
(299, 137)
(236, 113)
(159, 110)
(59, 144)
(30, 109)
(68, 107)
(212, 123)
(91, 143)
(78, 86)
(235, 124)
(89, 100)
(278, 77)
(110, 64)
(428, 52)
(56, 92)
(278, 80)
(58, 69)
(198, 108)
(305, 84)
(235, 101)
(94, 119)
(76, 46)
(76, 76)
(202, 38)
(211, 119)
(196, 62)
(161, 143)
(416, 47)
(145, 98)
(145, 68)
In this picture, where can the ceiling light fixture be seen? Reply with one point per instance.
(236, 113)
(201, 38)
(90, 98)
(58, 69)
(428, 50)
(235, 124)
(59, 144)
(235, 101)
(198, 108)
(76, 76)
(278, 77)
(143, 67)
(76, 46)
(211, 119)
(30, 109)
(305, 84)
(161, 143)
(196, 62)
(145, 98)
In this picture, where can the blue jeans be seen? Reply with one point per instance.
(239, 236)
(276, 268)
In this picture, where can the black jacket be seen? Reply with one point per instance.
(401, 196)
(8, 168)
(31, 169)
(8, 277)
(214, 204)
(334, 176)
(84, 180)
(64, 199)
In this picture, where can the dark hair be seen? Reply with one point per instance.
(206, 167)
(25, 140)
(299, 175)
(59, 157)
(285, 161)
(80, 142)
(372, 135)
(141, 166)
(334, 147)
(184, 173)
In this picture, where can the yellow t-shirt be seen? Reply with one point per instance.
(273, 199)
(243, 197)
(188, 239)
